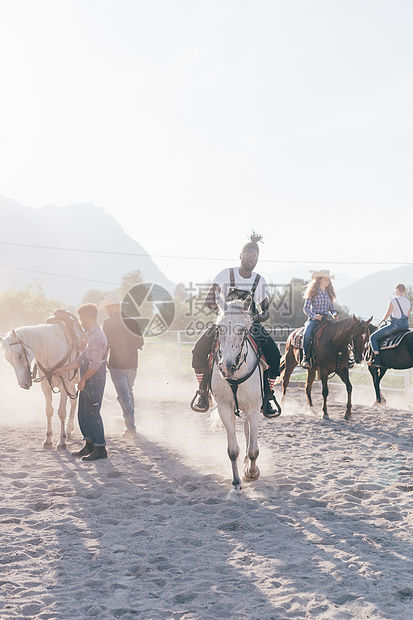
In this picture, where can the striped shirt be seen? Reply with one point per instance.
(321, 304)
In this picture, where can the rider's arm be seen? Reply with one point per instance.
(388, 313)
(210, 298)
(265, 311)
(308, 309)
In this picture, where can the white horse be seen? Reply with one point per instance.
(236, 384)
(52, 346)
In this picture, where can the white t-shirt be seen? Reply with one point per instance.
(405, 304)
(244, 284)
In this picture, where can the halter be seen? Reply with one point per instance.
(47, 373)
(26, 357)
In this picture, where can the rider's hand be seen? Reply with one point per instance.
(318, 317)
(81, 385)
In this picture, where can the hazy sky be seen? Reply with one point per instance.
(195, 121)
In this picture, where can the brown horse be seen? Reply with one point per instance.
(332, 355)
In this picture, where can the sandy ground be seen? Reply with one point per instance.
(152, 533)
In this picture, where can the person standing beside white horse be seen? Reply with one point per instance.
(92, 364)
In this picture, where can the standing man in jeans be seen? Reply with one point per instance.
(124, 339)
(92, 365)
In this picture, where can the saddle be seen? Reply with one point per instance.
(297, 340)
(392, 341)
(72, 327)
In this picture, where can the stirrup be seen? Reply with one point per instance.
(268, 398)
(200, 393)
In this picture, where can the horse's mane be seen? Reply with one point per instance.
(42, 339)
(234, 308)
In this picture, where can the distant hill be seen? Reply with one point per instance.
(371, 295)
(67, 275)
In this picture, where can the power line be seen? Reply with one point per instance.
(59, 275)
(204, 258)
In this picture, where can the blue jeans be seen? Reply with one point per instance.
(90, 402)
(381, 333)
(310, 326)
(123, 380)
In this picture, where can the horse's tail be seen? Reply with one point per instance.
(215, 422)
(282, 366)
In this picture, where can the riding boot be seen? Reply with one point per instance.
(87, 449)
(376, 361)
(202, 404)
(305, 363)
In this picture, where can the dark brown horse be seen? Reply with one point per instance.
(399, 358)
(332, 354)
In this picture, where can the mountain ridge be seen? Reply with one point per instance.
(80, 247)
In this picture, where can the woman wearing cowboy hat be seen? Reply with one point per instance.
(319, 296)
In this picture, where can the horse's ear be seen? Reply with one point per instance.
(370, 320)
(220, 301)
(355, 319)
(247, 303)
(13, 337)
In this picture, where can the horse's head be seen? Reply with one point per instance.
(233, 323)
(20, 357)
(361, 334)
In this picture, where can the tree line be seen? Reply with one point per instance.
(30, 306)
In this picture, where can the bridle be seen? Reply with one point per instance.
(26, 357)
(47, 373)
(239, 360)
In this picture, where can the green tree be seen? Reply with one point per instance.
(94, 296)
(129, 280)
(27, 306)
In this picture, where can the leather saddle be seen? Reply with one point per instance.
(394, 339)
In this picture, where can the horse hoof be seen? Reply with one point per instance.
(61, 446)
(249, 477)
(235, 493)
(326, 416)
(47, 445)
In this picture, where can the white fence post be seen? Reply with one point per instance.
(178, 342)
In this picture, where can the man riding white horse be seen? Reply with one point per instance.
(238, 283)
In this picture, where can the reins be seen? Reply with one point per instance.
(240, 360)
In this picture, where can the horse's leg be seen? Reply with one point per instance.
(290, 364)
(70, 426)
(324, 383)
(311, 372)
(229, 421)
(344, 376)
(377, 375)
(47, 391)
(251, 436)
(62, 417)
(381, 373)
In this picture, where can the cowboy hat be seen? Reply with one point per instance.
(110, 300)
(323, 273)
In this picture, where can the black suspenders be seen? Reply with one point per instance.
(232, 281)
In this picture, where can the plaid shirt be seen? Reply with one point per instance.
(321, 304)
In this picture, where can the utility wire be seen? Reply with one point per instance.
(204, 258)
(59, 275)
